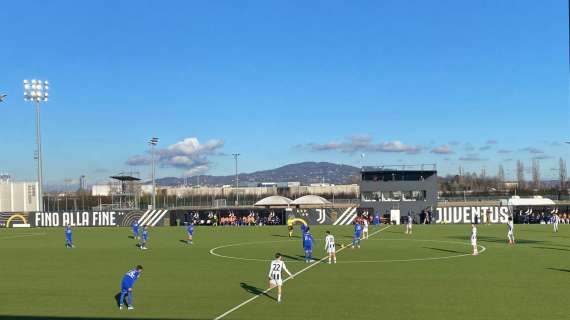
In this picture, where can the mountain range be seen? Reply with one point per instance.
(304, 172)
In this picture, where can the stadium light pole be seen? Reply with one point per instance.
(36, 91)
(236, 155)
(152, 143)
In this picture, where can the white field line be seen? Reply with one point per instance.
(25, 235)
(294, 275)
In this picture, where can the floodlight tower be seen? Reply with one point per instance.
(36, 91)
(152, 143)
(236, 155)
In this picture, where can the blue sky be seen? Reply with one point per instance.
(475, 84)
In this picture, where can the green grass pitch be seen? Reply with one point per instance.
(428, 275)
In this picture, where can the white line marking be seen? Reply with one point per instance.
(23, 236)
(294, 275)
(483, 248)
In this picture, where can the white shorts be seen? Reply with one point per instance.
(409, 225)
(331, 250)
(510, 235)
(473, 242)
(276, 283)
(365, 230)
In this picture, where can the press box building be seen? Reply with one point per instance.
(409, 189)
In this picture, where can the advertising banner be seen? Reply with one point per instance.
(83, 218)
(471, 214)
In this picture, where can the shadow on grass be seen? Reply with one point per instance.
(297, 258)
(495, 239)
(551, 248)
(557, 269)
(444, 250)
(285, 236)
(255, 290)
(117, 298)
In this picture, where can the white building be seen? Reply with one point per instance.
(104, 190)
(18, 196)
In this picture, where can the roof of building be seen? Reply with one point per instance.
(310, 200)
(273, 201)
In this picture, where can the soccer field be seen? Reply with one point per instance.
(427, 275)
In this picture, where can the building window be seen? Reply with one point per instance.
(393, 196)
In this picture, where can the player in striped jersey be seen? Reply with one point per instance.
(511, 230)
(409, 224)
(555, 221)
(365, 228)
(330, 247)
(474, 239)
(276, 274)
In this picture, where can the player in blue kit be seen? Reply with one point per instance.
(376, 219)
(304, 229)
(357, 235)
(68, 239)
(144, 238)
(308, 246)
(135, 227)
(190, 231)
(127, 287)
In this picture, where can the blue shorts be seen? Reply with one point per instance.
(308, 248)
(124, 290)
(357, 235)
(136, 233)
(68, 238)
(190, 233)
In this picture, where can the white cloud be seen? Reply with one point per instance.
(189, 155)
(365, 144)
(444, 149)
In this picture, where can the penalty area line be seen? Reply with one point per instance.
(223, 315)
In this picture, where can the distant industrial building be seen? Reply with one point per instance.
(18, 196)
(409, 189)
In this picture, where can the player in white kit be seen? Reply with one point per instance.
(511, 231)
(474, 239)
(409, 224)
(276, 274)
(330, 247)
(365, 228)
(556, 222)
